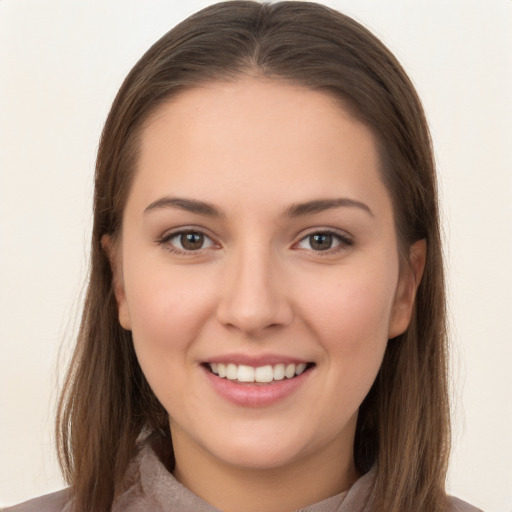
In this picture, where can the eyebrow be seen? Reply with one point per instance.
(295, 210)
(320, 205)
(189, 205)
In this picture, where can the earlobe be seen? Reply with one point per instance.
(405, 296)
(108, 245)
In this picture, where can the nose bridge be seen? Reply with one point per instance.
(253, 294)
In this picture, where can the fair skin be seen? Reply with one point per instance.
(257, 232)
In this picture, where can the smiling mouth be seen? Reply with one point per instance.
(261, 374)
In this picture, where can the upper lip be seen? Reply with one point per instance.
(256, 360)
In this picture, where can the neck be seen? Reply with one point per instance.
(230, 488)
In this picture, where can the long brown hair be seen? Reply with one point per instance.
(403, 423)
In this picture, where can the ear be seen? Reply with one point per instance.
(113, 255)
(408, 282)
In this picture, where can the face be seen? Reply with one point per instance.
(258, 271)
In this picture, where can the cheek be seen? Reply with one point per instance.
(351, 308)
(167, 308)
(349, 313)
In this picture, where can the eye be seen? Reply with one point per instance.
(188, 241)
(322, 241)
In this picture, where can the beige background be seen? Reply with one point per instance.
(61, 63)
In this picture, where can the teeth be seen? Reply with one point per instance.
(279, 372)
(266, 373)
(289, 372)
(231, 371)
(300, 369)
(245, 373)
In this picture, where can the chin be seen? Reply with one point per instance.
(260, 449)
(261, 457)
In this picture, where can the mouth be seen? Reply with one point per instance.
(266, 374)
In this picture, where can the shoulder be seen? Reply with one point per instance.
(54, 502)
(457, 505)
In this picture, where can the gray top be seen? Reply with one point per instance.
(149, 486)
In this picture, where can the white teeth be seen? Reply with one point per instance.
(300, 369)
(231, 371)
(267, 373)
(289, 372)
(245, 373)
(279, 372)
(264, 374)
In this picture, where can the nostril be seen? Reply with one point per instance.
(252, 301)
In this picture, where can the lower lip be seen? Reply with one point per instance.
(255, 395)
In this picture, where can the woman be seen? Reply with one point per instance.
(264, 327)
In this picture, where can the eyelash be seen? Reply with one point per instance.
(166, 242)
(343, 242)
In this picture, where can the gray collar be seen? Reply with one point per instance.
(150, 486)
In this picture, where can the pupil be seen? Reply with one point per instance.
(192, 241)
(321, 242)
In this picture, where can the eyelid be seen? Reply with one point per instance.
(165, 239)
(345, 240)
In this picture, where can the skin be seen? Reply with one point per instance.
(252, 149)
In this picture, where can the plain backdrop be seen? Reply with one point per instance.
(61, 63)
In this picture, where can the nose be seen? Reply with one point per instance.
(254, 296)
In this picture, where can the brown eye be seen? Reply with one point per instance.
(320, 241)
(192, 241)
(188, 241)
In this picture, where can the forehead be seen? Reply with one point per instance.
(255, 138)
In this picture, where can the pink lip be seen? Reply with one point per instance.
(255, 395)
(255, 361)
